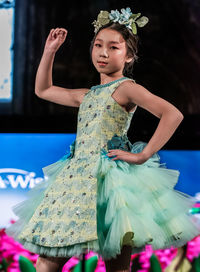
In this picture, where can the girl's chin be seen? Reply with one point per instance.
(102, 66)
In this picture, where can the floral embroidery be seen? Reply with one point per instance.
(119, 142)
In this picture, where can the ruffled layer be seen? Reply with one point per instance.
(65, 251)
(137, 205)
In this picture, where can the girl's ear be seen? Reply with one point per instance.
(128, 60)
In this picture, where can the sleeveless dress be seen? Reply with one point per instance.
(88, 201)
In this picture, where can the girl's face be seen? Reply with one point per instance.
(109, 52)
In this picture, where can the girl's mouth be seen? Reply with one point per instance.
(102, 63)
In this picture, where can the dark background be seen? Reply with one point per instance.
(168, 64)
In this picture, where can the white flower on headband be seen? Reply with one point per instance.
(126, 17)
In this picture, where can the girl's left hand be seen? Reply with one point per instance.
(136, 158)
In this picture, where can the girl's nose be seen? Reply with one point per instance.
(103, 52)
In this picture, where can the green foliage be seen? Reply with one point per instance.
(90, 265)
(196, 265)
(4, 265)
(26, 265)
(155, 264)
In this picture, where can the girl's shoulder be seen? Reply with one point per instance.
(130, 84)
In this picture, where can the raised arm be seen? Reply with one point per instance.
(44, 87)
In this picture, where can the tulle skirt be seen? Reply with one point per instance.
(136, 205)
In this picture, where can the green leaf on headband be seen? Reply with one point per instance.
(142, 21)
(103, 17)
(135, 16)
(134, 28)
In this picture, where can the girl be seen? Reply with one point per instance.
(107, 195)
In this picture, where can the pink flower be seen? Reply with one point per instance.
(193, 248)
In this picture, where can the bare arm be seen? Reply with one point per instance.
(44, 87)
(170, 117)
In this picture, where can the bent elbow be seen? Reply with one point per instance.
(180, 116)
(37, 93)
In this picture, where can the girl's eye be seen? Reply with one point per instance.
(99, 45)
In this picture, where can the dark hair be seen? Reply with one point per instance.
(131, 44)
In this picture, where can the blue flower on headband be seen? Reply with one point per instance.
(114, 15)
(125, 14)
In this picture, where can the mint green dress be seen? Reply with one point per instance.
(88, 201)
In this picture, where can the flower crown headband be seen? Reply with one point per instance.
(126, 17)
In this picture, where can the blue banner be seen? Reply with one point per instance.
(23, 155)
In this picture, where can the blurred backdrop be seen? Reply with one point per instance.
(35, 133)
